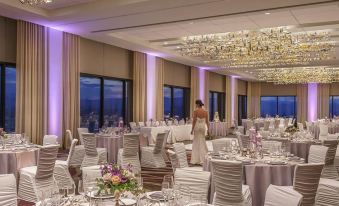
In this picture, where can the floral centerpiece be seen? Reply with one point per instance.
(116, 180)
(4, 137)
(291, 130)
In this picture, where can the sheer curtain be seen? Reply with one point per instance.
(323, 100)
(302, 90)
(159, 75)
(194, 88)
(253, 99)
(31, 80)
(139, 86)
(71, 90)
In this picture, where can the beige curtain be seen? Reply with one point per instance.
(228, 106)
(71, 90)
(235, 99)
(323, 100)
(139, 86)
(253, 99)
(31, 81)
(159, 75)
(249, 94)
(194, 88)
(207, 90)
(302, 90)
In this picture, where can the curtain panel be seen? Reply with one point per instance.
(159, 77)
(31, 80)
(194, 95)
(139, 86)
(228, 105)
(253, 99)
(71, 88)
(302, 95)
(323, 100)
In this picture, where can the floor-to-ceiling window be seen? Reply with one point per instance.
(242, 108)
(334, 106)
(104, 101)
(284, 106)
(176, 102)
(7, 96)
(217, 104)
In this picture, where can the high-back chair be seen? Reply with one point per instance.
(37, 179)
(181, 156)
(50, 140)
(223, 143)
(317, 154)
(80, 132)
(280, 196)
(323, 131)
(129, 154)
(152, 156)
(330, 171)
(327, 193)
(8, 190)
(133, 126)
(300, 126)
(91, 154)
(272, 146)
(227, 176)
(69, 135)
(244, 141)
(141, 124)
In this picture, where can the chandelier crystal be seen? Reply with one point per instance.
(264, 48)
(35, 2)
(298, 75)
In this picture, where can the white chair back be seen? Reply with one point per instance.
(181, 156)
(300, 126)
(332, 149)
(197, 181)
(272, 146)
(279, 196)
(149, 124)
(71, 151)
(317, 154)
(141, 124)
(323, 128)
(223, 143)
(131, 144)
(8, 190)
(162, 123)
(228, 181)
(50, 140)
(80, 131)
(90, 144)
(159, 143)
(133, 126)
(46, 162)
(244, 141)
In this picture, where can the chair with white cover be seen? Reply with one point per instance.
(300, 126)
(91, 154)
(327, 194)
(197, 181)
(129, 154)
(317, 154)
(133, 126)
(244, 141)
(89, 176)
(223, 143)
(61, 169)
(229, 190)
(79, 151)
(174, 160)
(50, 140)
(35, 179)
(181, 156)
(280, 196)
(148, 124)
(324, 135)
(141, 124)
(162, 123)
(330, 171)
(272, 146)
(152, 156)
(8, 191)
(80, 132)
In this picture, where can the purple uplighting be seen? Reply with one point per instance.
(202, 84)
(151, 78)
(312, 102)
(233, 82)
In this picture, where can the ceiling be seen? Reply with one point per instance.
(157, 26)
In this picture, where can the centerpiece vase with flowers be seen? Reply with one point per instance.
(116, 180)
(4, 137)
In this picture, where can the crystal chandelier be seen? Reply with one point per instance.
(34, 2)
(264, 48)
(298, 75)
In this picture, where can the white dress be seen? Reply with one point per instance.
(199, 147)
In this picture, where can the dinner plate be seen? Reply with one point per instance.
(94, 196)
(157, 196)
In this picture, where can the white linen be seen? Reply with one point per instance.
(328, 193)
(8, 196)
(280, 196)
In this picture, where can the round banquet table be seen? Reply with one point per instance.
(258, 177)
(112, 143)
(218, 128)
(11, 161)
(301, 149)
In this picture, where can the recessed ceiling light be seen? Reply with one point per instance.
(178, 47)
(165, 42)
(191, 22)
(267, 13)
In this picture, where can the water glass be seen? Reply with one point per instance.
(165, 190)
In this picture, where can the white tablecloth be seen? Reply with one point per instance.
(218, 129)
(177, 133)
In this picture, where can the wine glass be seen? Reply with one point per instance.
(42, 197)
(71, 192)
(164, 190)
(185, 191)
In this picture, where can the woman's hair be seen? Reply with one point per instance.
(199, 103)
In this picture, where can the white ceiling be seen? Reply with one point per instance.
(132, 24)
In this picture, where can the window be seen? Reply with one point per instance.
(242, 108)
(7, 97)
(176, 102)
(104, 101)
(334, 106)
(217, 104)
(284, 106)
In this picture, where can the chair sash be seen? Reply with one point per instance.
(46, 162)
(71, 151)
(228, 180)
(8, 190)
(317, 154)
(90, 144)
(159, 143)
(306, 181)
(131, 144)
(181, 156)
(80, 131)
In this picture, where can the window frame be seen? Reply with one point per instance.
(221, 101)
(127, 115)
(332, 107)
(3, 66)
(277, 107)
(187, 94)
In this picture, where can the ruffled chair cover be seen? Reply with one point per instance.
(227, 177)
(133, 126)
(38, 178)
(323, 128)
(272, 146)
(197, 181)
(330, 171)
(89, 175)
(328, 193)
(181, 156)
(61, 169)
(8, 196)
(80, 132)
(244, 141)
(152, 156)
(174, 160)
(50, 140)
(281, 196)
(78, 154)
(91, 154)
(317, 154)
(129, 154)
(223, 143)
